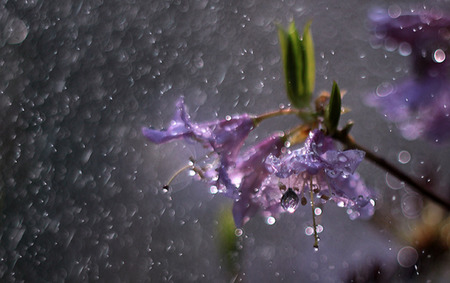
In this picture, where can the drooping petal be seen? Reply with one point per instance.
(180, 127)
(223, 136)
(251, 171)
(352, 193)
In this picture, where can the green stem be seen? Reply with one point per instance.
(350, 143)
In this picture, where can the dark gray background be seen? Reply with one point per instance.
(81, 196)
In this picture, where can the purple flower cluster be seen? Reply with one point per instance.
(224, 137)
(328, 172)
(420, 105)
(257, 178)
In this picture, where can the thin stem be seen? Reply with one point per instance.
(190, 166)
(316, 238)
(350, 143)
(281, 112)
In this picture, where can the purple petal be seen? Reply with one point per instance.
(352, 193)
(251, 170)
(180, 127)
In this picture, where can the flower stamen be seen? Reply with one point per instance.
(316, 237)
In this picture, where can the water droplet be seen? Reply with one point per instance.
(213, 190)
(342, 158)
(404, 157)
(439, 56)
(165, 188)
(331, 173)
(394, 11)
(270, 220)
(384, 89)
(317, 211)
(309, 231)
(407, 256)
(404, 49)
(238, 232)
(289, 201)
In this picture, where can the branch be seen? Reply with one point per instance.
(350, 143)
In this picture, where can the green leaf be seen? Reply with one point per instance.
(227, 240)
(288, 54)
(309, 69)
(333, 112)
(298, 62)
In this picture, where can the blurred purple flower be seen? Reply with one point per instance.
(223, 137)
(319, 167)
(420, 105)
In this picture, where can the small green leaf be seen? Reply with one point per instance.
(228, 241)
(289, 57)
(298, 62)
(333, 112)
(309, 70)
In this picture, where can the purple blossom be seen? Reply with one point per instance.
(249, 174)
(420, 104)
(319, 167)
(224, 137)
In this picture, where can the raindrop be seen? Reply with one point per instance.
(270, 220)
(16, 31)
(384, 89)
(317, 211)
(404, 49)
(393, 182)
(342, 158)
(213, 190)
(404, 157)
(319, 228)
(289, 201)
(238, 232)
(394, 11)
(309, 231)
(407, 256)
(439, 56)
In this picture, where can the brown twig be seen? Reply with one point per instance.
(350, 143)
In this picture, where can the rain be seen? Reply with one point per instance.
(81, 189)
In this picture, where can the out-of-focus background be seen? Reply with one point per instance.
(81, 189)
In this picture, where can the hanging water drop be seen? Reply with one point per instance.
(289, 201)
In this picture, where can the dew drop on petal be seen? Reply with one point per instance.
(342, 158)
(309, 231)
(290, 201)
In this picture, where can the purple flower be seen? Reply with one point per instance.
(420, 104)
(224, 137)
(319, 167)
(248, 175)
